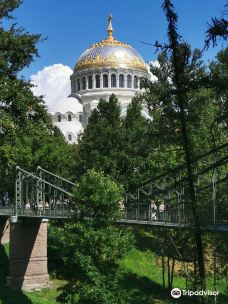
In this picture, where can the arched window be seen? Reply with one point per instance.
(136, 82)
(83, 83)
(113, 81)
(69, 117)
(59, 118)
(129, 81)
(79, 85)
(80, 117)
(121, 81)
(69, 137)
(98, 82)
(90, 80)
(105, 81)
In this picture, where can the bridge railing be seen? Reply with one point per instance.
(36, 196)
(171, 190)
(45, 194)
(222, 217)
(7, 210)
(60, 210)
(167, 216)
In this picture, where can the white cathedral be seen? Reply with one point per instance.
(105, 68)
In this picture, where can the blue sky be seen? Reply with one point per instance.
(71, 25)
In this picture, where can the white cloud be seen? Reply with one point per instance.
(155, 64)
(54, 83)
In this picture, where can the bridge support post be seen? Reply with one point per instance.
(4, 230)
(28, 254)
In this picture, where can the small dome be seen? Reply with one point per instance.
(68, 104)
(111, 53)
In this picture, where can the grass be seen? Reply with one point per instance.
(143, 278)
(140, 274)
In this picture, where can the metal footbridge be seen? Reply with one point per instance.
(162, 201)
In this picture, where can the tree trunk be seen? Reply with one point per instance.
(197, 229)
(168, 272)
(195, 274)
(214, 267)
(179, 65)
(180, 58)
(172, 273)
(163, 260)
(163, 270)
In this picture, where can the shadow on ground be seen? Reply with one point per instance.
(6, 295)
(146, 241)
(145, 291)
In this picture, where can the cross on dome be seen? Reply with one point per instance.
(110, 53)
(110, 28)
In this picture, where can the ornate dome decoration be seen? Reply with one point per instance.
(110, 53)
(105, 68)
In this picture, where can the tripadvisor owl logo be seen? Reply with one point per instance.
(176, 293)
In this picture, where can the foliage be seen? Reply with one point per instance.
(219, 80)
(100, 147)
(218, 28)
(17, 51)
(187, 114)
(90, 246)
(117, 145)
(142, 268)
(187, 108)
(137, 144)
(200, 105)
(27, 137)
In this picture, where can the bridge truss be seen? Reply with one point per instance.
(160, 201)
(165, 199)
(41, 194)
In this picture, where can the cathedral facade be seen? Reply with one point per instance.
(105, 68)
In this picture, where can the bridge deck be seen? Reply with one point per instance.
(130, 222)
(218, 228)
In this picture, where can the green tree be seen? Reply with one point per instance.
(218, 28)
(90, 245)
(17, 51)
(27, 137)
(188, 106)
(137, 144)
(120, 146)
(185, 107)
(102, 141)
(219, 80)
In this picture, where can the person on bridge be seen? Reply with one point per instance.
(121, 206)
(27, 206)
(5, 199)
(40, 207)
(153, 210)
(161, 210)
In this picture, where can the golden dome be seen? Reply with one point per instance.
(111, 53)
